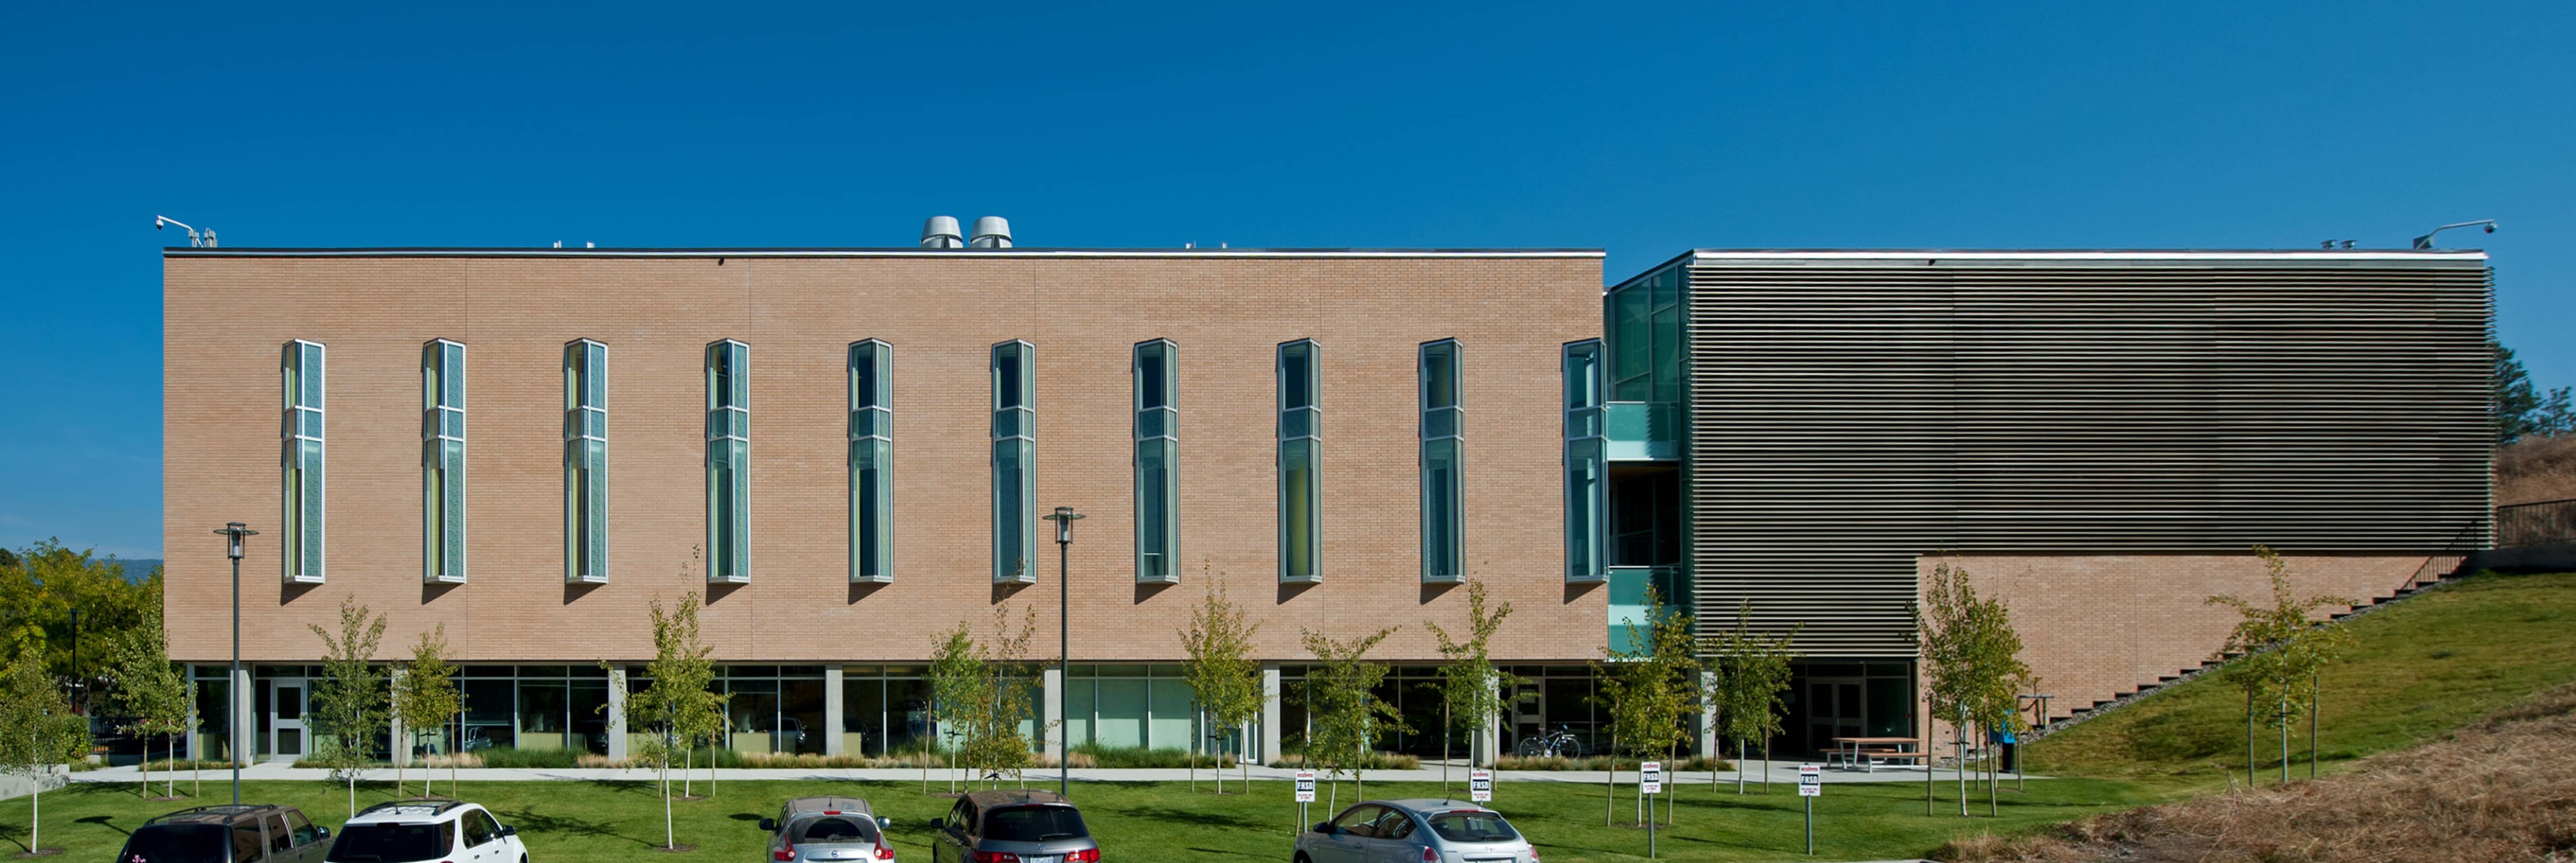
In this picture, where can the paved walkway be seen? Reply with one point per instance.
(1781, 772)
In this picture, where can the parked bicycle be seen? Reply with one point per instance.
(1560, 743)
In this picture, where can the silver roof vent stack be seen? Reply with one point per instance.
(991, 232)
(941, 233)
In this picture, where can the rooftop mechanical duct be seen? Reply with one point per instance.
(940, 232)
(991, 232)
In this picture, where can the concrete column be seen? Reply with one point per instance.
(395, 739)
(831, 730)
(243, 720)
(1269, 712)
(1708, 743)
(616, 711)
(1051, 708)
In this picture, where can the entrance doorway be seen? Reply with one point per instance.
(1834, 709)
(288, 738)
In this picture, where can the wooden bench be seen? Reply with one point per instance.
(1871, 758)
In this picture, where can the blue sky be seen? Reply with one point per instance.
(1641, 129)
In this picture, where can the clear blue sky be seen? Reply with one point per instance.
(1637, 129)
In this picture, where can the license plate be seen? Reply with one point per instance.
(1041, 858)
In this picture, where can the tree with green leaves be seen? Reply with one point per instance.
(49, 584)
(425, 698)
(994, 742)
(677, 699)
(1649, 689)
(152, 693)
(1223, 677)
(2280, 649)
(38, 731)
(1972, 666)
(349, 705)
(1470, 686)
(1748, 679)
(2521, 409)
(1345, 715)
(956, 679)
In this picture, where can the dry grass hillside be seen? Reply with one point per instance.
(2503, 789)
(2536, 469)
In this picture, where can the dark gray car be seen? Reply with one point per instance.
(228, 834)
(826, 828)
(1415, 831)
(1012, 827)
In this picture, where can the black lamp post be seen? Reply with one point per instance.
(1064, 517)
(233, 533)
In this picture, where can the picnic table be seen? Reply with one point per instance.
(1865, 753)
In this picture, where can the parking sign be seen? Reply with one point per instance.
(1650, 777)
(1811, 779)
(1480, 786)
(1305, 786)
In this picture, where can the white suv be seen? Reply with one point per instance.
(426, 831)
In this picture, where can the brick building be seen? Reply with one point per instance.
(847, 451)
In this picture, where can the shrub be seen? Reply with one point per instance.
(1138, 756)
(1376, 761)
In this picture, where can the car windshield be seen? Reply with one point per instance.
(1473, 827)
(1034, 824)
(175, 843)
(392, 843)
(836, 828)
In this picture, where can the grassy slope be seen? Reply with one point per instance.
(2414, 671)
(604, 821)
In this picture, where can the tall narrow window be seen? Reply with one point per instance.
(1442, 452)
(1586, 466)
(1300, 439)
(585, 462)
(871, 461)
(728, 461)
(1014, 451)
(301, 461)
(1157, 485)
(442, 462)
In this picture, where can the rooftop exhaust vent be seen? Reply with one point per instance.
(991, 232)
(941, 233)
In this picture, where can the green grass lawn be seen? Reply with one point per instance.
(2414, 671)
(601, 821)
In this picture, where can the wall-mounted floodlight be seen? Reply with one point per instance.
(2423, 242)
(196, 239)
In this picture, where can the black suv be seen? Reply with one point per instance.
(1012, 827)
(237, 833)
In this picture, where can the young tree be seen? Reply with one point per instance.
(993, 741)
(153, 693)
(2281, 646)
(350, 704)
(425, 698)
(1748, 675)
(38, 730)
(1342, 706)
(1222, 675)
(1643, 689)
(1676, 657)
(1471, 686)
(957, 681)
(677, 697)
(1972, 662)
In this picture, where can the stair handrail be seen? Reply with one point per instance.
(2470, 538)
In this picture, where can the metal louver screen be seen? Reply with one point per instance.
(1849, 416)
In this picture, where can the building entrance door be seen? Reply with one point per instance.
(288, 738)
(1835, 708)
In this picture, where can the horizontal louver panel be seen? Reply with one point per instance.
(1847, 418)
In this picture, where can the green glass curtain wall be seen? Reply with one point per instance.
(442, 437)
(1014, 469)
(1300, 440)
(728, 461)
(585, 462)
(301, 464)
(871, 461)
(1157, 446)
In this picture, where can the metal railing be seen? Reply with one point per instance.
(2450, 558)
(2545, 523)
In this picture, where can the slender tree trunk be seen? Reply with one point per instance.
(670, 840)
(170, 761)
(1444, 750)
(1959, 740)
(1766, 766)
(36, 806)
(1739, 766)
(2250, 775)
(2313, 707)
(398, 778)
(1994, 774)
(1194, 763)
(145, 791)
(689, 770)
(2285, 735)
(1610, 784)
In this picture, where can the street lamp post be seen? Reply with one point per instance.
(233, 533)
(1064, 517)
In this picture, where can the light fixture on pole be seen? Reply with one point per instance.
(196, 239)
(2426, 241)
(233, 690)
(1064, 517)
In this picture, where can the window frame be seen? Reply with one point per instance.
(443, 480)
(1300, 431)
(1157, 437)
(303, 480)
(1014, 431)
(728, 462)
(585, 462)
(871, 462)
(1587, 542)
(1443, 437)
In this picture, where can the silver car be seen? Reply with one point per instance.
(1014, 826)
(1415, 831)
(826, 828)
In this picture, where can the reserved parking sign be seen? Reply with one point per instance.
(1650, 777)
(1480, 786)
(1305, 786)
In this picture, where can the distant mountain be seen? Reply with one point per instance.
(136, 569)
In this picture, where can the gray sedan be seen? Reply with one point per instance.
(826, 828)
(1415, 831)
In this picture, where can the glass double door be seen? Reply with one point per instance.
(1836, 707)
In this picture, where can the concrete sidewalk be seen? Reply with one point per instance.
(1784, 772)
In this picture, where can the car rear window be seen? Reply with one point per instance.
(175, 843)
(836, 828)
(392, 843)
(1473, 827)
(1034, 824)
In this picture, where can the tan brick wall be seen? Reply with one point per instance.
(2096, 626)
(225, 318)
